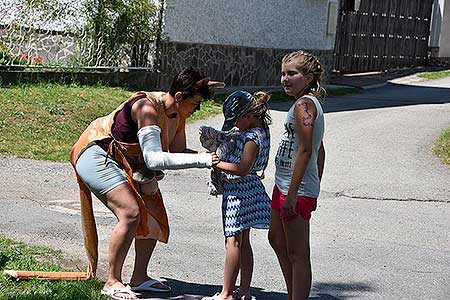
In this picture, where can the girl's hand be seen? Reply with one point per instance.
(289, 206)
(215, 158)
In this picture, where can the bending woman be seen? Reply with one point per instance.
(118, 158)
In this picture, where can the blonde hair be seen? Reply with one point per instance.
(307, 63)
(260, 108)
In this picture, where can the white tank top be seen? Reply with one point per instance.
(287, 152)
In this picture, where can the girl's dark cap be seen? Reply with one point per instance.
(235, 106)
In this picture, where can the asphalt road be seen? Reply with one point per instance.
(380, 230)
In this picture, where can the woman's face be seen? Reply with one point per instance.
(293, 81)
(186, 107)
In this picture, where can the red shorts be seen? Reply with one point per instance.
(305, 205)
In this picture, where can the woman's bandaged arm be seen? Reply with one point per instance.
(156, 159)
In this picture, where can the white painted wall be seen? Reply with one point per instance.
(283, 24)
(440, 27)
(444, 43)
(436, 22)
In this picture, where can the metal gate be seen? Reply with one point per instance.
(382, 35)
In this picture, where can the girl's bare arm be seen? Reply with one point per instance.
(305, 114)
(247, 160)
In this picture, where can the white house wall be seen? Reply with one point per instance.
(444, 43)
(283, 24)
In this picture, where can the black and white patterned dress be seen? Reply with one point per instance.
(245, 202)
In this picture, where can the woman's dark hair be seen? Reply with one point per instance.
(189, 82)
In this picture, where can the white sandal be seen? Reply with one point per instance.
(148, 286)
(215, 297)
(112, 293)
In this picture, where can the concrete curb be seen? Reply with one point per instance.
(407, 80)
(374, 86)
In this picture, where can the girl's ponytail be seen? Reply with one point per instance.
(260, 108)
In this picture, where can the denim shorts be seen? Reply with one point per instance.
(99, 174)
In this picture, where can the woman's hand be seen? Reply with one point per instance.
(215, 158)
(289, 206)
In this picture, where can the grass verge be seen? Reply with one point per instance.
(434, 75)
(19, 256)
(43, 121)
(441, 146)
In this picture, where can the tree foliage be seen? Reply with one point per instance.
(116, 29)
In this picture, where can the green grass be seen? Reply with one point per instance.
(43, 121)
(18, 256)
(208, 109)
(441, 146)
(434, 75)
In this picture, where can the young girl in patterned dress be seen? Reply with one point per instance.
(245, 201)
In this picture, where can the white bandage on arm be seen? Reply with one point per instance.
(155, 159)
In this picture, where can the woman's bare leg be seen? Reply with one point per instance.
(122, 202)
(143, 253)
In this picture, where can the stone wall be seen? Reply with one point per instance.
(54, 47)
(236, 66)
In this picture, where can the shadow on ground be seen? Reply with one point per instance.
(388, 96)
(194, 291)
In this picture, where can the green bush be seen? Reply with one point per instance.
(7, 59)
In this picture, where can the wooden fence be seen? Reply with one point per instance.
(382, 35)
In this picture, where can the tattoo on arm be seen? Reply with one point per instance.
(307, 121)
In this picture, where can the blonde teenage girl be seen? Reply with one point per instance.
(299, 165)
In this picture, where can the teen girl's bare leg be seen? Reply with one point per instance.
(297, 239)
(277, 240)
(122, 202)
(232, 261)
(246, 264)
